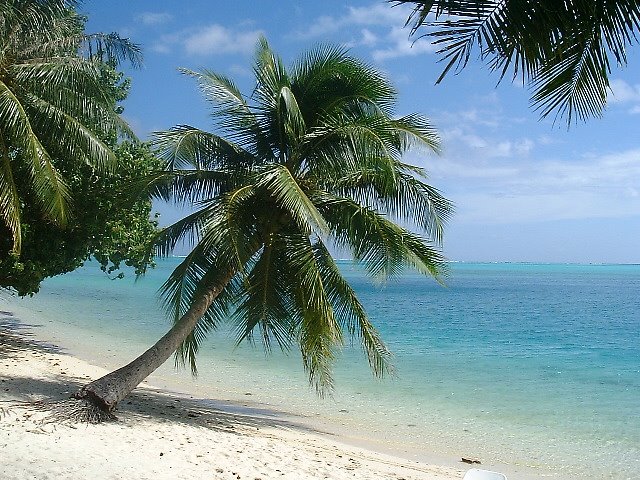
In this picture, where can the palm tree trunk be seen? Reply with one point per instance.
(107, 391)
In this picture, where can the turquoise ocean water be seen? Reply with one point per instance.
(535, 369)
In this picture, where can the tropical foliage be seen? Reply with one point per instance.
(106, 225)
(311, 161)
(61, 182)
(563, 49)
(53, 106)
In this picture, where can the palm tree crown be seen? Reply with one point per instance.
(54, 104)
(311, 161)
(564, 49)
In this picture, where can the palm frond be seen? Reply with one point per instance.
(405, 197)
(74, 87)
(235, 229)
(71, 135)
(575, 86)
(233, 115)
(47, 184)
(186, 230)
(271, 75)
(350, 312)
(283, 188)
(111, 48)
(55, 73)
(561, 49)
(188, 147)
(266, 303)
(221, 92)
(9, 199)
(315, 325)
(416, 131)
(21, 19)
(416, 202)
(292, 123)
(327, 78)
(188, 186)
(384, 247)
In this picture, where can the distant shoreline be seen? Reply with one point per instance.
(501, 262)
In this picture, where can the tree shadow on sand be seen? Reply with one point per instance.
(17, 344)
(17, 337)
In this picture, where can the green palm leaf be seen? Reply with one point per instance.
(266, 300)
(350, 312)
(284, 190)
(188, 147)
(48, 187)
(316, 327)
(384, 247)
(9, 199)
(562, 49)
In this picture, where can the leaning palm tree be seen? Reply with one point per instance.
(563, 49)
(54, 105)
(309, 162)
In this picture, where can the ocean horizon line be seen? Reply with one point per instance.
(495, 262)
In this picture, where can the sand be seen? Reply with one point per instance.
(162, 435)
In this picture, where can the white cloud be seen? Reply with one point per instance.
(398, 44)
(622, 92)
(368, 37)
(546, 140)
(381, 28)
(217, 39)
(502, 175)
(487, 208)
(457, 169)
(154, 18)
(462, 139)
(490, 191)
(376, 14)
(523, 146)
(209, 40)
(321, 26)
(617, 170)
(161, 47)
(487, 112)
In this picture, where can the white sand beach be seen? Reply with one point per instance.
(160, 435)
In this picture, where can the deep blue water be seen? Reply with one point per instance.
(522, 364)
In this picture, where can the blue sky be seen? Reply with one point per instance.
(524, 189)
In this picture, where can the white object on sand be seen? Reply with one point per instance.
(477, 474)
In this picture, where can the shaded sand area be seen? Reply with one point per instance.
(160, 435)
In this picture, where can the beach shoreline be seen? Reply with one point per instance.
(180, 384)
(162, 434)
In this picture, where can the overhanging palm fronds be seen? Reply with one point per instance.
(563, 49)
